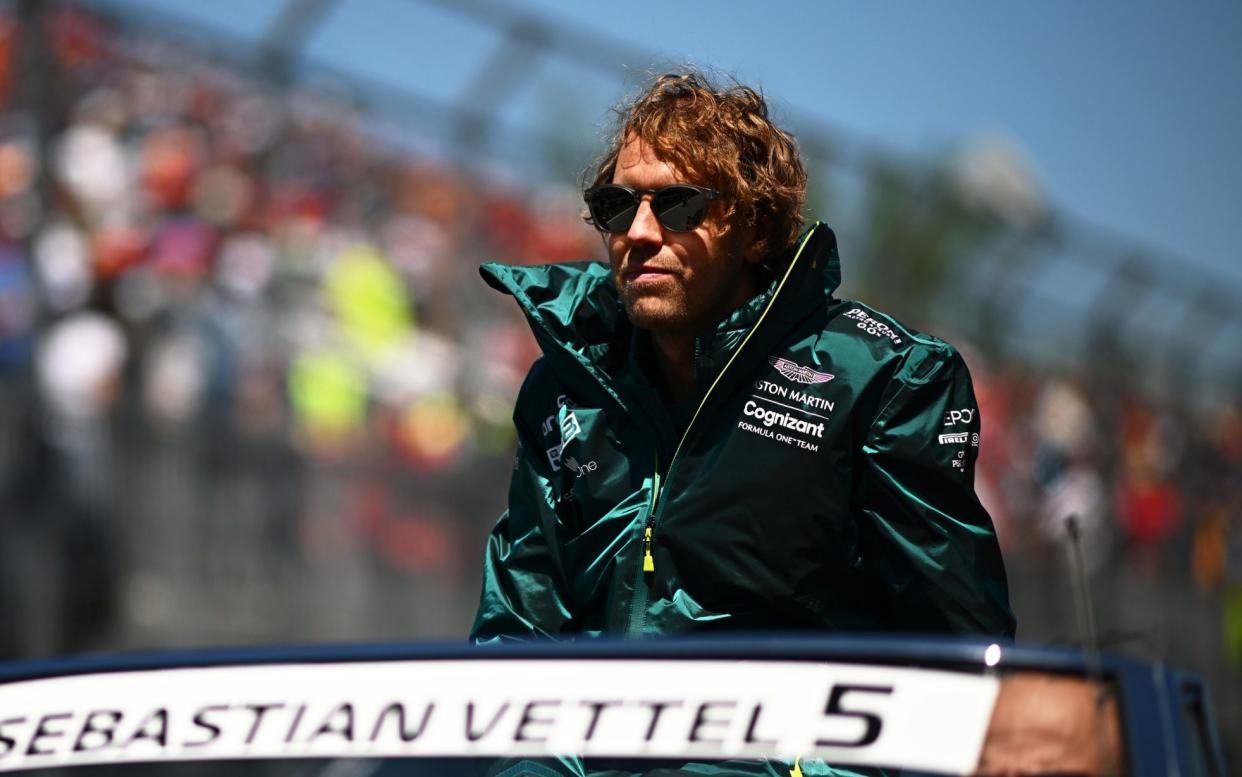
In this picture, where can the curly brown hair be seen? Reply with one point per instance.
(720, 138)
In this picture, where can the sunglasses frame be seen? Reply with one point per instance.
(589, 196)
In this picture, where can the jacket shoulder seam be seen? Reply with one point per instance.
(943, 355)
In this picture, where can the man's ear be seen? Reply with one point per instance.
(752, 252)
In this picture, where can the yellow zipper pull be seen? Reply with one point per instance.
(648, 561)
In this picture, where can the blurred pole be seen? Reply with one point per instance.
(997, 310)
(30, 578)
(1203, 321)
(288, 34)
(38, 79)
(494, 83)
(1112, 309)
(35, 91)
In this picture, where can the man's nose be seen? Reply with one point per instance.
(645, 228)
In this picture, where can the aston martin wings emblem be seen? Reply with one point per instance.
(797, 373)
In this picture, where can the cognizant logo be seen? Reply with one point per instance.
(783, 420)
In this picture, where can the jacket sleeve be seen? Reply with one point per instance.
(524, 585)
(931, 541)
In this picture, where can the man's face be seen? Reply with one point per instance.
(674, 283)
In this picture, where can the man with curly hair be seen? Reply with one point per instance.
(712, 439)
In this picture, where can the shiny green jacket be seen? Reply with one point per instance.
(822, 478)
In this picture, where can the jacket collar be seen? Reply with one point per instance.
(578, 318)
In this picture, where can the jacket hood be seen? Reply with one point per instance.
(578, 317)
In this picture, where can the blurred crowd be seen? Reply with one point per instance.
(1081, 473)
(242, 335)
(206, 267)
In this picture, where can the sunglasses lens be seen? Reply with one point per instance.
(680, 208)
(613, 208)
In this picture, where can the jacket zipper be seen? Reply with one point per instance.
(653, 513)
(636, 617)
(648, 560)
(649, 530)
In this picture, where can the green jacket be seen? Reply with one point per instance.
(822, 479)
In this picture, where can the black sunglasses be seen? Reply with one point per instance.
(679, 208)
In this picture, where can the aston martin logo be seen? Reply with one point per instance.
(797, 373)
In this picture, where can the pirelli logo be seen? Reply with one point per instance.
(954, 439)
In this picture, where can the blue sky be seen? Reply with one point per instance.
(1130, 112)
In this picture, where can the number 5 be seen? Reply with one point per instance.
(835, 707)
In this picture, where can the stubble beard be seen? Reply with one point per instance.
(674, 312)
(660, 314)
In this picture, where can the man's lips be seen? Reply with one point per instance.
(646, 271)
